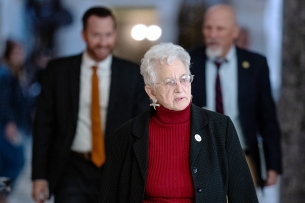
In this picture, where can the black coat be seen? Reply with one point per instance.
(58, 105)
(257, 111)
(217, 162)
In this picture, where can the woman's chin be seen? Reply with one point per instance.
(181, 105)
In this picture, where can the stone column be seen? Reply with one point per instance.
(292, 102)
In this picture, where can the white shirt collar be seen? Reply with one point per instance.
(231, 54)
(89, 62)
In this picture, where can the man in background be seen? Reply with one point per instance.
(236, 82)
(83, 99)
(12, 111)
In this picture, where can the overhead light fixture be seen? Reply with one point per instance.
(140, 32)
(153, 32)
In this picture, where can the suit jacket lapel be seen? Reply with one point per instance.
(243, 80)
(113, 93)
(74, 76)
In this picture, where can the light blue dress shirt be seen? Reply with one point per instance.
(229, 85)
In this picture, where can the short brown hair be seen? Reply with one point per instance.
(100, 12)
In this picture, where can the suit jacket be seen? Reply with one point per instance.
(217, 162)
(57, 111)
(256, 107)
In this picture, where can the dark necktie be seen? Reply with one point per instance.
(218, 92)
(98, 155)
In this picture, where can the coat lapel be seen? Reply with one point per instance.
(203, 156)
(198, 133)
(198, 127)
(140, 147)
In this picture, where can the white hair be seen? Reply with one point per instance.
(157, 55)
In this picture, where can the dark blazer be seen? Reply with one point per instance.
(255, 103)
(57, 111)
(217, 162)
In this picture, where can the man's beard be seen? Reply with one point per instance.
(214, 53)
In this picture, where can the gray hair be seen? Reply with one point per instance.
(157, 55)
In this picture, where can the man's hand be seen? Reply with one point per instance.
(271, 177)
(40, 191)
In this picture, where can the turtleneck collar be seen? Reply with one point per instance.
(165, 115)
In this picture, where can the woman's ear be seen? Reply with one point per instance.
(149, 90)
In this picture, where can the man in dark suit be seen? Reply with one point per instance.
(62, 145)
(236, 82)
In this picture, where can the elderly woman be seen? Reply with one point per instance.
(176, 151)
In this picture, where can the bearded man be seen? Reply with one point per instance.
(235, 82)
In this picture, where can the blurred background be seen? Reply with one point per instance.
(275, 28)
(58, 25)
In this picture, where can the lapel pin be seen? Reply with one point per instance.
(245, 64)
(197, 138)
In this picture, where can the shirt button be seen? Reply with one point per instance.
(195, 170)
(199, 190)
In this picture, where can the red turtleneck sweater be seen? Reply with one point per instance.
(169, 176)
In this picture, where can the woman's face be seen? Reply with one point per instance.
(173, 96)
(18, 55)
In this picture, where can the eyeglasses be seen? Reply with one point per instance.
(185, 79)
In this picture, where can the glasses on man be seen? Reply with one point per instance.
(185, 79)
